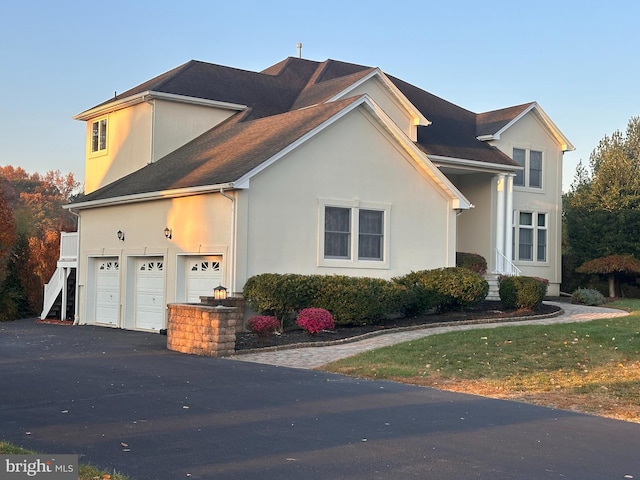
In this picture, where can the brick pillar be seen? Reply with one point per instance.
(202, 329)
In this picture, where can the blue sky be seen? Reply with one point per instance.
(579, 60)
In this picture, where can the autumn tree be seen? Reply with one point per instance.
(614, 268)
(35, 203)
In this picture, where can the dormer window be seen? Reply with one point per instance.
(99, 135)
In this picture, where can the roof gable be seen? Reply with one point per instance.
(491, 125)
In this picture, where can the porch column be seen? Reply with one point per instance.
(63, 308)
(500, 218)
(508, 224)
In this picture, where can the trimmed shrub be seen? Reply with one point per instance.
(315, 320)
(415, 298)
(443, 288)
(263, 325)
(356, 300)
(472, 261)
(587, 296)
(279, 295)
(522, 292)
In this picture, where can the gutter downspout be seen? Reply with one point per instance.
(232, 241)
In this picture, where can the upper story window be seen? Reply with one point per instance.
(99, 135)
(531, 174)
(354, 235)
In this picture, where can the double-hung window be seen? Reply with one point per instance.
(99, 135)
(354, 235)
(530, 237)
(531, 162)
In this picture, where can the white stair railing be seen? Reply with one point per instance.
(505, 266)
(51, 291)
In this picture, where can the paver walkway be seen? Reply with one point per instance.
(313, 357)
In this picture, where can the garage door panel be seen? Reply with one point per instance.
(107, 287)
(150, 308)
(204, 273)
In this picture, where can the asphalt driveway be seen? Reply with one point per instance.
(122, 401)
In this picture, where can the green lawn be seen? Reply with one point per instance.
(592, 367)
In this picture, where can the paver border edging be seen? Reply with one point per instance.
(364, 336)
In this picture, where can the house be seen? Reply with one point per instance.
(207, 175)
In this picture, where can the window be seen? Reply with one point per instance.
(531, 162)
(530, 237)
(337, 232)
(99, 135)
(354, 235)
(370, 234)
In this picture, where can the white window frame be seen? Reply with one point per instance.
(527, 168)
(535, 228)
(352, 260)
(99, 130)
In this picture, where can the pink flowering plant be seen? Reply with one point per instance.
(315, 320)
(264, 325)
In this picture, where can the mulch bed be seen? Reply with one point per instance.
(487, 310)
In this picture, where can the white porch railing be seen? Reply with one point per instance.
(505, 266)
(52, 289)
(69, 247)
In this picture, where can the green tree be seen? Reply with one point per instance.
(602, 208)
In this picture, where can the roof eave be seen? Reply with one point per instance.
(149, 196)
(477, 165)
(153, 95)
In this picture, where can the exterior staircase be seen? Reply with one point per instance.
(59, 293)
(492, 279)
(504, 267)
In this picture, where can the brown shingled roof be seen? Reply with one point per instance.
(452, 132)
(273, 121)
(489, 123)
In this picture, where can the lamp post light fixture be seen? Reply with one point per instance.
(120, 235)
(168, 233)
(219, 293)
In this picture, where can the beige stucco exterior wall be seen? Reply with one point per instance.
(476, 227)
(530, 133)
(201, 225)
(178, 123)
(131, 144)
(128, 146)
(351, 161)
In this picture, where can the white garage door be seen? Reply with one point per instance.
(203, 275)
(107, 286)
(150, 308)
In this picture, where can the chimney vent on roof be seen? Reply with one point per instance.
(299, 50)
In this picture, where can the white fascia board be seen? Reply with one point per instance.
(418, 117)
(564, 142)
(151, 95)
(145, 197)
(472, 164)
